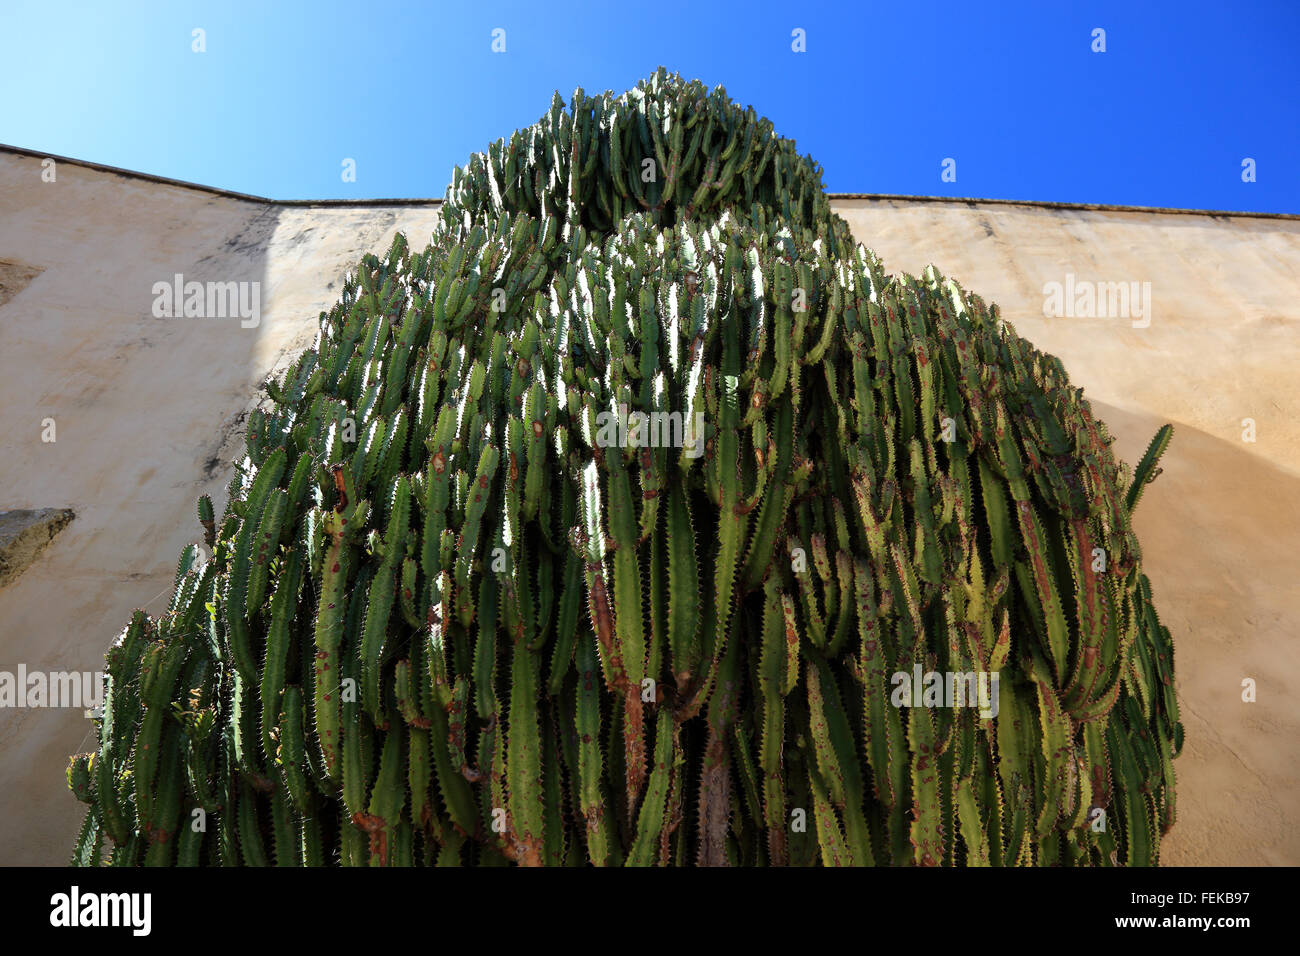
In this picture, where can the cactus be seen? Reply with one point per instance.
(658, 484)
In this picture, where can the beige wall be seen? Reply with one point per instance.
(148, 414)
(1221, 526)
(150, 411)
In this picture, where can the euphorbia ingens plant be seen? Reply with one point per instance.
(643, 519)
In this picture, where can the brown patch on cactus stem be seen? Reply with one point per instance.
(337, 471)
(633, 748)
(603, 622)
(715, 803)
(525, 851)
(776, 843)
(377, 829)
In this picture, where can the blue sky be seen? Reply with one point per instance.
(884, 93)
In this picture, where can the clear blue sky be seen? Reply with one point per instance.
(885, 92)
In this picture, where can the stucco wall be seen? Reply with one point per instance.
(149, 411)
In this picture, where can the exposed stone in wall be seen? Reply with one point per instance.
(14, 277)
(23, 535)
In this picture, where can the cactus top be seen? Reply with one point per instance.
(667, 148)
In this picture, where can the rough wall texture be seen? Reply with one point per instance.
(149, 411)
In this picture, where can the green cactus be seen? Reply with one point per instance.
(658, 485)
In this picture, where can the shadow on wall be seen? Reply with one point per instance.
(1218, 529)
(119, 403)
